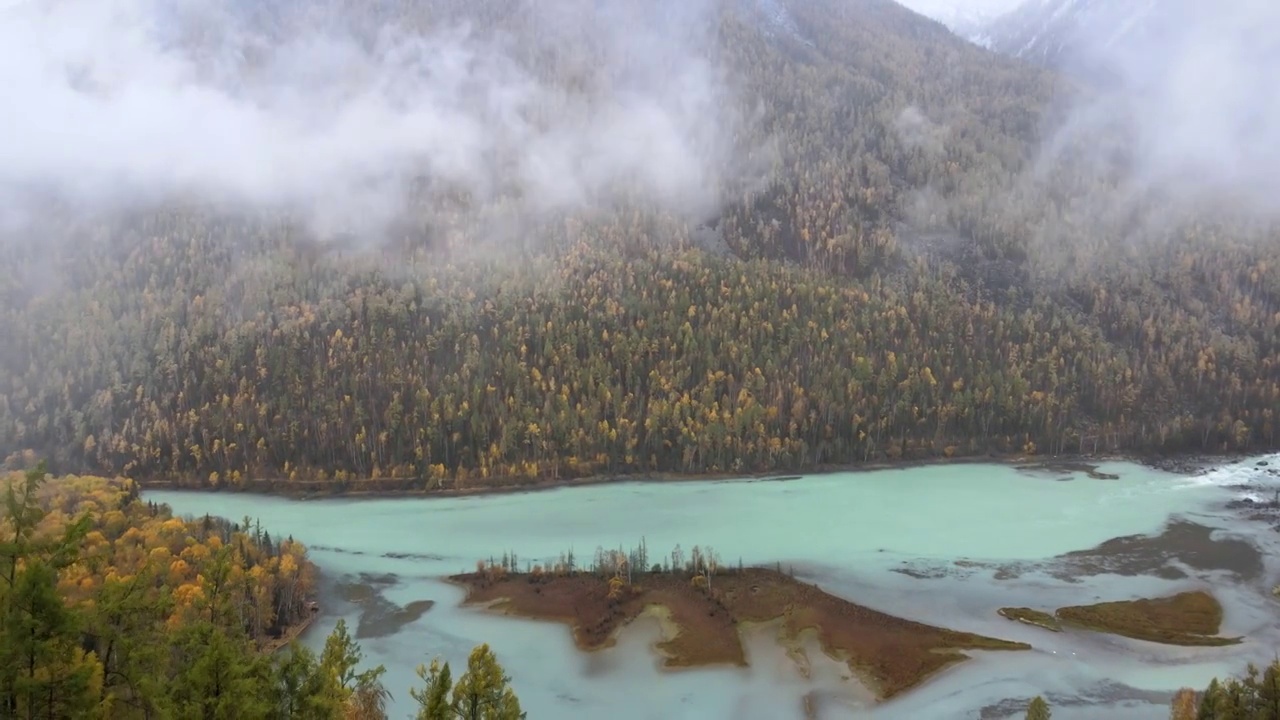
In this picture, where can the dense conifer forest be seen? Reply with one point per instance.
(902, 286)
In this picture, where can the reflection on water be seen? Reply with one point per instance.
(975, 537)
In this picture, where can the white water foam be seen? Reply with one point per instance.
(1257, 472)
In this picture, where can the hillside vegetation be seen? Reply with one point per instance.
(905, 283)
(112, 608)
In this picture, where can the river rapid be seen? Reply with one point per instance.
(945, 544)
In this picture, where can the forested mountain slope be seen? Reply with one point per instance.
(855, 250)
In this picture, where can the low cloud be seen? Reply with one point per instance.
(917, 131)
(1189, 99)
(337, 115)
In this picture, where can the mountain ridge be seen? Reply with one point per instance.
(875, 263)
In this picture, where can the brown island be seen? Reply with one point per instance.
(703, 608)
(1189, 618)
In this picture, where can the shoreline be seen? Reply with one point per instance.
(292, 633)
(1178, 463)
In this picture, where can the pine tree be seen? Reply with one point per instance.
(343, 686)
(482, 692)
(217, 675)
(433, 697)
(1213, 703)
(1038, 709)
(300, 686)
(1269, 692)
(52, 676)
(43, 670)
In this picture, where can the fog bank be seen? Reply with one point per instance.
(341, 114)
(1188, 98)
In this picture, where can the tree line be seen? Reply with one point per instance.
(629, 361)
(1254, 696)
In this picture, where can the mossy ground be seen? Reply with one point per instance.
(1032, 617)
(1189, 618)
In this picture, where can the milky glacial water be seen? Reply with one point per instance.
(947, 545)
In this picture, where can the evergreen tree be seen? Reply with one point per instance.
(1269, 692)
(43, 670)
(344, 687)
(433, 697)
(50, 675)
(218, 676)
(482, 693)
(300, 686)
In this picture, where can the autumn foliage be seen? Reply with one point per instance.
(112, 608)
(125, 601)
(881, 297)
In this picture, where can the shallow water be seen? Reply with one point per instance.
(856, 534)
